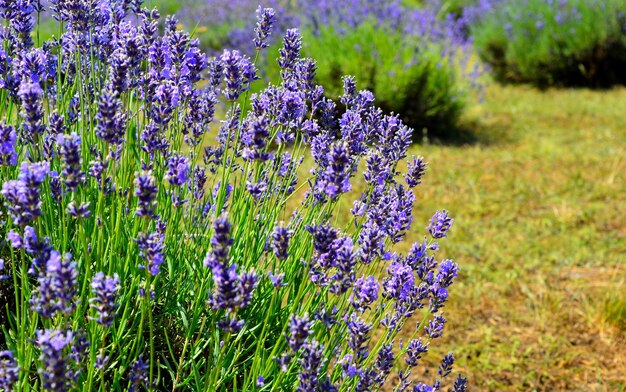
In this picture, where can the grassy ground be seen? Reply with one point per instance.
(540, 233)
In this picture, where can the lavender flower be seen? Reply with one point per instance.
(177, 170)
(57, 286)
(280, 241)
(152, 247)
(440, 224)
(32, 109)
(310, 362)
(55, 371)
(71, 160)
(415, 172)
(8, 156)
(105, 290)
(9, 370)
(265, 20)
(414, 352)
(290, 52)
(110, 119)
(365, 293)
(22, 195)
(335, 179)
(446, 365)
(435, 327)
(299, 331)
(138, 375)
(220, 243)
(460, 385)
(146, 193)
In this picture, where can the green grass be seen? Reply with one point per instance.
(540, 235)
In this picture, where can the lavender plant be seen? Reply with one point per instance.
(549, 42)
(146, 250)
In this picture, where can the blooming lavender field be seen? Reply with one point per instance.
(218, 202)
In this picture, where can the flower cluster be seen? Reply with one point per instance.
(144, 239)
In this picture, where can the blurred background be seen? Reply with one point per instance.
(520, 108)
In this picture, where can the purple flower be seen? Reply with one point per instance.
(265, 21)
(290, 52)
(138, 375)
(280, 241)
(57, 286)
(8, 156)
(177, 170)
(440, 224)
(384, 363)
(151, 248)
(310, 363)
(105, 290)
(69, 150)
(55, 370)
(299, 331)
(335, 179)
(32, 109)
(146, 193)
(111, 122)
(9, 370)
(22, 195)
(260, 381)
(365, 293)
(358, 335)
(80, 212)
(460, 385)
(446, 365)
(414, 351)
(435, 327)
(239, 72)
(220, 243)
(415, 172)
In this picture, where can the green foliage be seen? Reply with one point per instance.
(406, 77)
(545, 43)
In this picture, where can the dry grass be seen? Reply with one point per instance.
(540, 234)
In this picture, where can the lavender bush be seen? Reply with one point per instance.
(146, 250)
(550, 42)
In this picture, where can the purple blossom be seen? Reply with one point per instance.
(152, 248)
(415, 172)
(22, 195)
(69, 151)
(440, 224)
(9, 370)
(365, 293)
(446, 365)
(105, 290)
(280, 241)
(57, 286)
(435, 327)
(177, 170)
(55, 371)
(299, 331)
(460, 385)
(8, 155)
(31, 95)
(138, 375)
(111, 121)
(310, 363)
(146, 193)
(414, 352)
(265, 21)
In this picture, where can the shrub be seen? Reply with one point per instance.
(143, 254)
(566, 42)
(407, 78)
